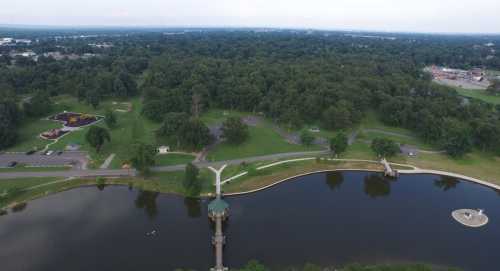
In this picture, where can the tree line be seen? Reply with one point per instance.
(327, 79)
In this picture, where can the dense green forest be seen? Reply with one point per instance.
(329, 79)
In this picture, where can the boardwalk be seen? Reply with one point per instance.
(218, 212)
(388, 171)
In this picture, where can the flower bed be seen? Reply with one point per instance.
(53, 134)
(71, 119)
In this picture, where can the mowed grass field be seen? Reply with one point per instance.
(29, 132)
(480, 95)
(261, 141)
(131, 127)
(173, 159)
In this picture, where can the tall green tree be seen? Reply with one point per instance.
(192, 184)
(96, 136)
(143, 157)
(194, 135)
(494, 88)
(234, 130)
(38, 105)
(10, 115)
(384, 147)
(339, 143)
(93, 98)
(306, 137)
(110, 118)
(457, 137)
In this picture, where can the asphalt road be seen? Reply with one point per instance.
(132, 172)
(76, 159)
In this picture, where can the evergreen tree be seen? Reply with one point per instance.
(192, 184)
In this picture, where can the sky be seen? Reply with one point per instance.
(434, 16)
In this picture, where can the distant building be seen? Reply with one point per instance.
(163, 149)
(30, 54)
(314, 130)
(101, 45)
(25, 41)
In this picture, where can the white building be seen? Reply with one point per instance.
(163, 149)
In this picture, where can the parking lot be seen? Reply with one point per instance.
(76, 159)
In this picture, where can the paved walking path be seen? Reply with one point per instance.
(108, 161)
(132, 172)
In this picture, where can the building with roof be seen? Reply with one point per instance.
(218, 207)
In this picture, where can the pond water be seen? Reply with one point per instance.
(327, 219)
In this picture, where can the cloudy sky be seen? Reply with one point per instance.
(464, 16)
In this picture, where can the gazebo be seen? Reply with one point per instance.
(218, 207)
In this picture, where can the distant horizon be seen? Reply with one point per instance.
(398, 16)
(222, 27)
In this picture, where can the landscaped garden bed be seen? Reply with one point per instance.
(53, 134)
(71, 119)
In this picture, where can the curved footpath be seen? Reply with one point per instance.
(133, 172)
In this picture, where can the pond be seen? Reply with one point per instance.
(328, 219)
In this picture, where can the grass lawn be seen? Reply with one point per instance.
(131, 127)
(372, 121)
(480, 95)
(214, 116)
(261, 141)
(11, 190)
(406, 140)
(29, 132)
(173, 159)
(476, 164)
(24, 183)
(21, 168)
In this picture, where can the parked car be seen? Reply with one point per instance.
(30, 152)
(59, 152)
(49, 153)
(12, 164)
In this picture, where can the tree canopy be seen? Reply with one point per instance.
(234, 130)
(385, 147)
(96, 136)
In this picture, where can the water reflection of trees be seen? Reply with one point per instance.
(334, 179)
(19, 207)
(193, 207)
(147, 200)
(446, 183)
(377, 185)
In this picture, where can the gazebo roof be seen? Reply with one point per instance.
(218, 206)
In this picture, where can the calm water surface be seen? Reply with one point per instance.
(327, 219)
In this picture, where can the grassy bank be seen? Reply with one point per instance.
(262, 178)
(173, 159)
(17, 191)
(22, 168)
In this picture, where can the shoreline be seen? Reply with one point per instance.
(406, 172)
(143, 184)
